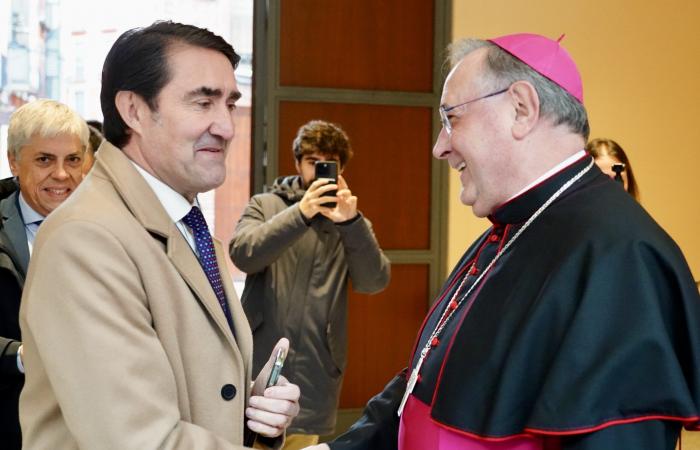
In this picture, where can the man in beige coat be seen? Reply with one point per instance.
(134, 336)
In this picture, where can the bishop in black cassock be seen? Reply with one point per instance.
(573, 322)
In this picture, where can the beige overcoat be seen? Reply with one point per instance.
(126, 346)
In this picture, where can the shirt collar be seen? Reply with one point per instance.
(174, 203)
(28, 213)
(567, 162)
(519, 208)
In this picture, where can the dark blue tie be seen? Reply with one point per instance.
(34, 226)
(207, 257)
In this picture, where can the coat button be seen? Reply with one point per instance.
(228, 391)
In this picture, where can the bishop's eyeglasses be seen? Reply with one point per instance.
(444, 109)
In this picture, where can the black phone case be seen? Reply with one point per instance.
(327, 169)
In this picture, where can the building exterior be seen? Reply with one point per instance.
(56, 48)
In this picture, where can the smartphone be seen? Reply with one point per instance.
(276, 368)
(327, 169)
(618, 168)
(250, 436)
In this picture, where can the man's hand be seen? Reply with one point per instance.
(346, 207)
(310, 203)
(271, 410)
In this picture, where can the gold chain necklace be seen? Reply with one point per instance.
(452, 306)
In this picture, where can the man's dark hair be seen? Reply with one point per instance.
(96, 124)
(325, 138)
(96, 138)
(138, 62)
(7, 187)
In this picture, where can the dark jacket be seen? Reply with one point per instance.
(297, 288)
(14, 256)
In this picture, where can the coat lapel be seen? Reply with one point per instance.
(147, 209)
(186, 262)
(14, 228)
(244, 336)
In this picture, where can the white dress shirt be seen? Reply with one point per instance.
(174, 203)
(567, 162)
(32, 220)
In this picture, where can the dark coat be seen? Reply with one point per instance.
(14, 255)
(297, 288)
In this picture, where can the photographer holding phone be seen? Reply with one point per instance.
(609, 156)
(299, 256)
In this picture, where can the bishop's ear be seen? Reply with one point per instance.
(527, 108)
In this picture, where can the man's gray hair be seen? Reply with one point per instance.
(503, 69)
(44, 118)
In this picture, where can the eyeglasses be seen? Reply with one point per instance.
(444, 109)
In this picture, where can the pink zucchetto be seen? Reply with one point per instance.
(545, 56)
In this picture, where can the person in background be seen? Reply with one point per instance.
(8, 186)
(299, 256)
(572, 322)
(607, 153)
(96, 124)
(135, 338)
(96, 139)
(46, 143)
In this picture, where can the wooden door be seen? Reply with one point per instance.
(372, 67)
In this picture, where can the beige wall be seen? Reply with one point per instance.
(640, 63)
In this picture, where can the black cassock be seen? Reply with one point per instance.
(586, 331)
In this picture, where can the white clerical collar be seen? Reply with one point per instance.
(28, 214)
(174, 203)
(567, 162)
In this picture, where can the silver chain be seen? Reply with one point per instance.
(449, 312)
